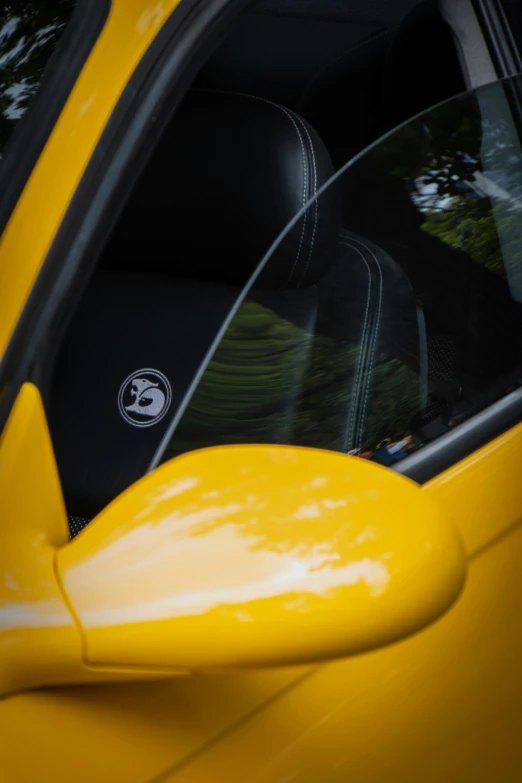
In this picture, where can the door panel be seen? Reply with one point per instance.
(130, 733)
(443, 705)
(432, 706)
(482, 494)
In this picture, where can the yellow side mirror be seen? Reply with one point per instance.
(249, 556)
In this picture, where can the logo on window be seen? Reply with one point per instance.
(144, 398)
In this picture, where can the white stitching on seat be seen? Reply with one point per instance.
(291, 115)
(316, 202)
(305, 164)
(358, 374)
(374, 341)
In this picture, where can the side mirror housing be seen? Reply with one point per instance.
(254, 556)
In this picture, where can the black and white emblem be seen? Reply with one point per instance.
(144, 397)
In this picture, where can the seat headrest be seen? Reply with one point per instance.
(227, 177)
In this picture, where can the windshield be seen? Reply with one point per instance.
(414, 323)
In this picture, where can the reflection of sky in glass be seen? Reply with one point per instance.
(426, 198)
(6, 32)
(18, 94)
(469, 185)
(29, 32)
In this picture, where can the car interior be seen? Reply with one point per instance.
(295, 90)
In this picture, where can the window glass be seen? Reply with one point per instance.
(416, 324)
(29, 33)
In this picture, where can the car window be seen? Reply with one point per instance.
(29, 33)
(415, 325)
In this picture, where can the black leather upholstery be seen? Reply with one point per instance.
(229, 175)
(333, 383)
(211, 213)
(129, 321)
(125, 323)
(338, 311)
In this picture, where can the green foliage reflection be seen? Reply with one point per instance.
(462, 165)
(272, 382)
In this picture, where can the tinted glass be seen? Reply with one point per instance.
(416, 324)
(29, 33)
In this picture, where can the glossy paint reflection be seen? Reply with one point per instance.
(244, 556)
(39, 643)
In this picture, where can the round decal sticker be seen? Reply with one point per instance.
(144, 398)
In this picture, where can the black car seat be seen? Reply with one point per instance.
(227, 177)
(352, 72)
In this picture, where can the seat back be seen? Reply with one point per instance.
(225, 180)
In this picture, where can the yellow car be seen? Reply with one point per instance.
(260, 404)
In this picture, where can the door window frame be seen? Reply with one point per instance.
(142, 113)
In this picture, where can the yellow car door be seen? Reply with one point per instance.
(443, 703)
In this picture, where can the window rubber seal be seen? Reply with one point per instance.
(461, 441)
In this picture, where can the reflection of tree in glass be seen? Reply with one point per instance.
(249, 388)
(272, 382)
(447, 157)
(29, 31)
(475, 231)
(438, 152)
